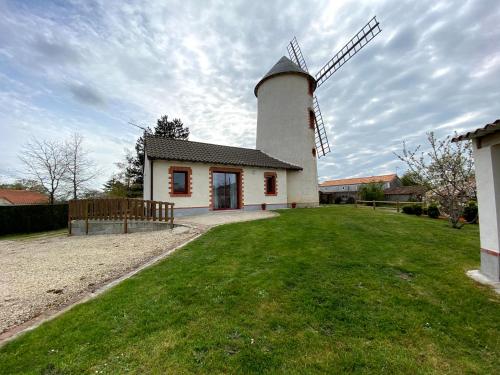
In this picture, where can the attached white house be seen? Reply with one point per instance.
(486, 152)
(200, 177)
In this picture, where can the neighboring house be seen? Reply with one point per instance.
(349, 187)
(10, 197)
(405, 193)
(486, 152)
(199, 177)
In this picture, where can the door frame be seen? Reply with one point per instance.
(239, 185)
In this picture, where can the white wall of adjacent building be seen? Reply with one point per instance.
(253, 184)
(487, 165)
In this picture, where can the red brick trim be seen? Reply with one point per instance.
(310, 89)
(311, 118)
(271, 174)
(491, 252)
(171, 171)
(240, 178)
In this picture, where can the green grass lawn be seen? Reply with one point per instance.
(328, 290)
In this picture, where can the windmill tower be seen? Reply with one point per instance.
(290, 125)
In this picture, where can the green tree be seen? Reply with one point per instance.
(171, 129)
(410, 179)
(372, 192)
(135, 166)
(115, 188)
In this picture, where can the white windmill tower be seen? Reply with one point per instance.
(290, 126)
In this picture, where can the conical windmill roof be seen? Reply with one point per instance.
(285, 66)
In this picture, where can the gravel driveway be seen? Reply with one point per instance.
(37, 275)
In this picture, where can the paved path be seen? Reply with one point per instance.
(224, 217)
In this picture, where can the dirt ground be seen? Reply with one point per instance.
(41, 274)
(48, 273)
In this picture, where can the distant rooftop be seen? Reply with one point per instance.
(180, 150)
(19, 197)
(359, 180)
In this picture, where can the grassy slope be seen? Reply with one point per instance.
(327, 290)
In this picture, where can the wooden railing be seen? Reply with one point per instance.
(397, 203)
(119, 209)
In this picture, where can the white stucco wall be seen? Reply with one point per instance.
(487, 163)
(283, 132)
(253, 185)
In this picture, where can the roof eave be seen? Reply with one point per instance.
(308, 76)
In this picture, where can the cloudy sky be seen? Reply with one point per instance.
(92, 66)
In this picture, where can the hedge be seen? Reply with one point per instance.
(33, 218)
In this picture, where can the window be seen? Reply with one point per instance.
(180, 181)
(311, 87)
(311, 119)
(314, 152)
(270, 187)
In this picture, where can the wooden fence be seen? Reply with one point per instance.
(397, 203)
(119, 209)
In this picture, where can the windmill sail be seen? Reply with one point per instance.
(361, 39)
(321, 140)
(322, 145)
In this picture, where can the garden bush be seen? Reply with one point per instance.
(433, 211)
(33, 218)
(417, 209)
(470, 213)
(408, 210)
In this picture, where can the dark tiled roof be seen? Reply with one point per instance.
(285, 66)
(485, 130)
(175, 149)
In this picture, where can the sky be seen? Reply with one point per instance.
(92, 66)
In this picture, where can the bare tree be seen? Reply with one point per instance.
(46, 162)
(447, 169)
(81, 169)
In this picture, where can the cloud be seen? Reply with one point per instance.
(86, 95)
(92, 66)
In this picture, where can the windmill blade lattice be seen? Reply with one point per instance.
(321, 140)
(322, 145)
(361, 39)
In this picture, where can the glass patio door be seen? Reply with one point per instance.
(225, 190)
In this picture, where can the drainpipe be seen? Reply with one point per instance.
(151, 179)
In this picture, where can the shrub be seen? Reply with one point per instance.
(470, 212)
(351, 200)
(372, 192)
(417, 209)
(408, 210)
(33, 218)
(338, 200)
(433, 211)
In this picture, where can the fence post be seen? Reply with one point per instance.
(69, 217)
(172, 215)
(397, 205)
(374, 205)
(86, 217)
(356, 204)
(125, 222)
